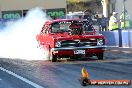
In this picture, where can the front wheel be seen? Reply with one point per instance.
(52, 57)
(100, 56)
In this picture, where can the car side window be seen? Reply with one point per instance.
(45, 29)
(55, 27)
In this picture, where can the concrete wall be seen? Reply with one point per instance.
(6, 5)
(112, 38)
(105, 7)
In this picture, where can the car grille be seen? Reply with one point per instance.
(78, 43)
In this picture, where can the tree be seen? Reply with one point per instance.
(83, 5)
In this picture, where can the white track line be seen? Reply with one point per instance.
(21, 78)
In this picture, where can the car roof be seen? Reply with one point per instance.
(59, 20)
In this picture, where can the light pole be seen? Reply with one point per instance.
(124, 8)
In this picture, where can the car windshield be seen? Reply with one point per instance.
(66, 26)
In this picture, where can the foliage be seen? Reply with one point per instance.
(83, 5)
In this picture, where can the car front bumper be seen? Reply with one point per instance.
(69, 51)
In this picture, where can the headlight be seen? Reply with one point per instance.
(100, 42)
(58, 44)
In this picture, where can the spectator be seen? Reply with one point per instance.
(125, 24)
(114, 22)
(98, 21)
(103, 23)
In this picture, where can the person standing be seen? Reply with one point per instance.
(114, 22)
(103, 23)
(114, 25)
(125, 17)
(98, 21)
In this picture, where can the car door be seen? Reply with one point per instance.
(45, 36)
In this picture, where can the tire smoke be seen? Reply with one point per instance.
(18, 38)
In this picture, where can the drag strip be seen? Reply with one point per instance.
(66, 74)
(18, 78)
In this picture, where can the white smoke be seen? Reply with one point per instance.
(18, 39)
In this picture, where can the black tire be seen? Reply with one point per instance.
(53, 58)
(100, 56)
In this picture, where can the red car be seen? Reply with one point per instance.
(70, 38)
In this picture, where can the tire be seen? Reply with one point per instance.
(100, 56)
(52, 58)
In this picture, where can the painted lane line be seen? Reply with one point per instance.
(21, 78)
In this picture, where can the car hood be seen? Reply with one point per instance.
(66, 36)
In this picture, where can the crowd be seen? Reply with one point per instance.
(114, 22)
(102, 22)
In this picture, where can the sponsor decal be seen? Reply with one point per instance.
(12, 14)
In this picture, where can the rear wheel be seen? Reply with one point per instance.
(100, 56)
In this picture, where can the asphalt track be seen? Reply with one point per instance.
(64, 74)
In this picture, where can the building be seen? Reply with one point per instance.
(18, 8)
(116, 5)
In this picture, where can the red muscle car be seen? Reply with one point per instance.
(71, 38)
